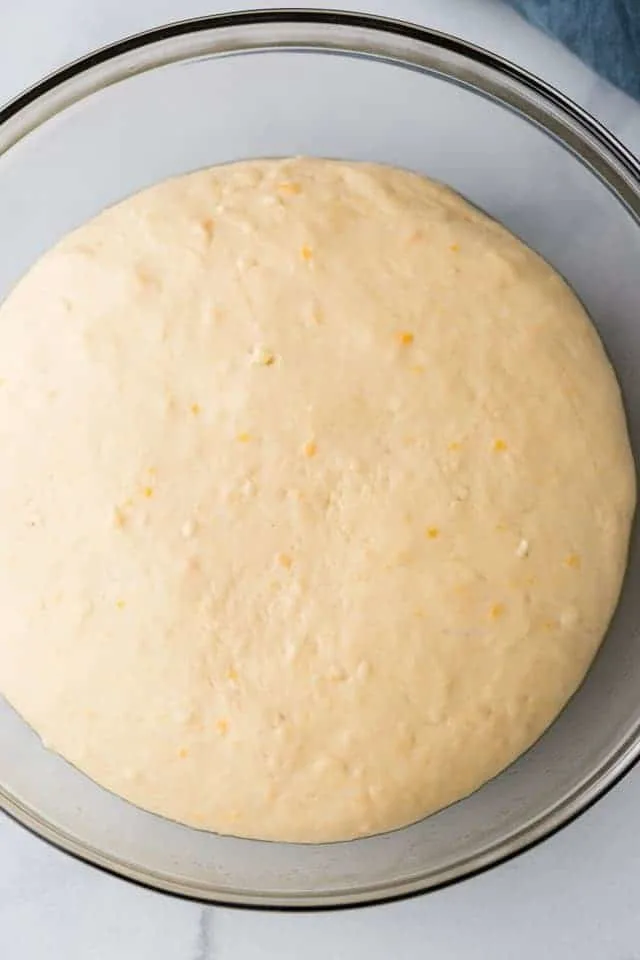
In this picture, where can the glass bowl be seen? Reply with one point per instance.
(338, 85)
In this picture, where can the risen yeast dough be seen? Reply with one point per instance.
(315, 492)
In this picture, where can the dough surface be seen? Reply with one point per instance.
(315, 495)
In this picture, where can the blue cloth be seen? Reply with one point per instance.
(603, 33)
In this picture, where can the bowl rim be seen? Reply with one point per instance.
(580, 133)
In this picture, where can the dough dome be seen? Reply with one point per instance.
(315, 494)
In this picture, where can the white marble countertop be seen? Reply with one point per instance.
(577, 895)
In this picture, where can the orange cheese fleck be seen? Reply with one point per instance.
(288, 186)
(310, 449)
